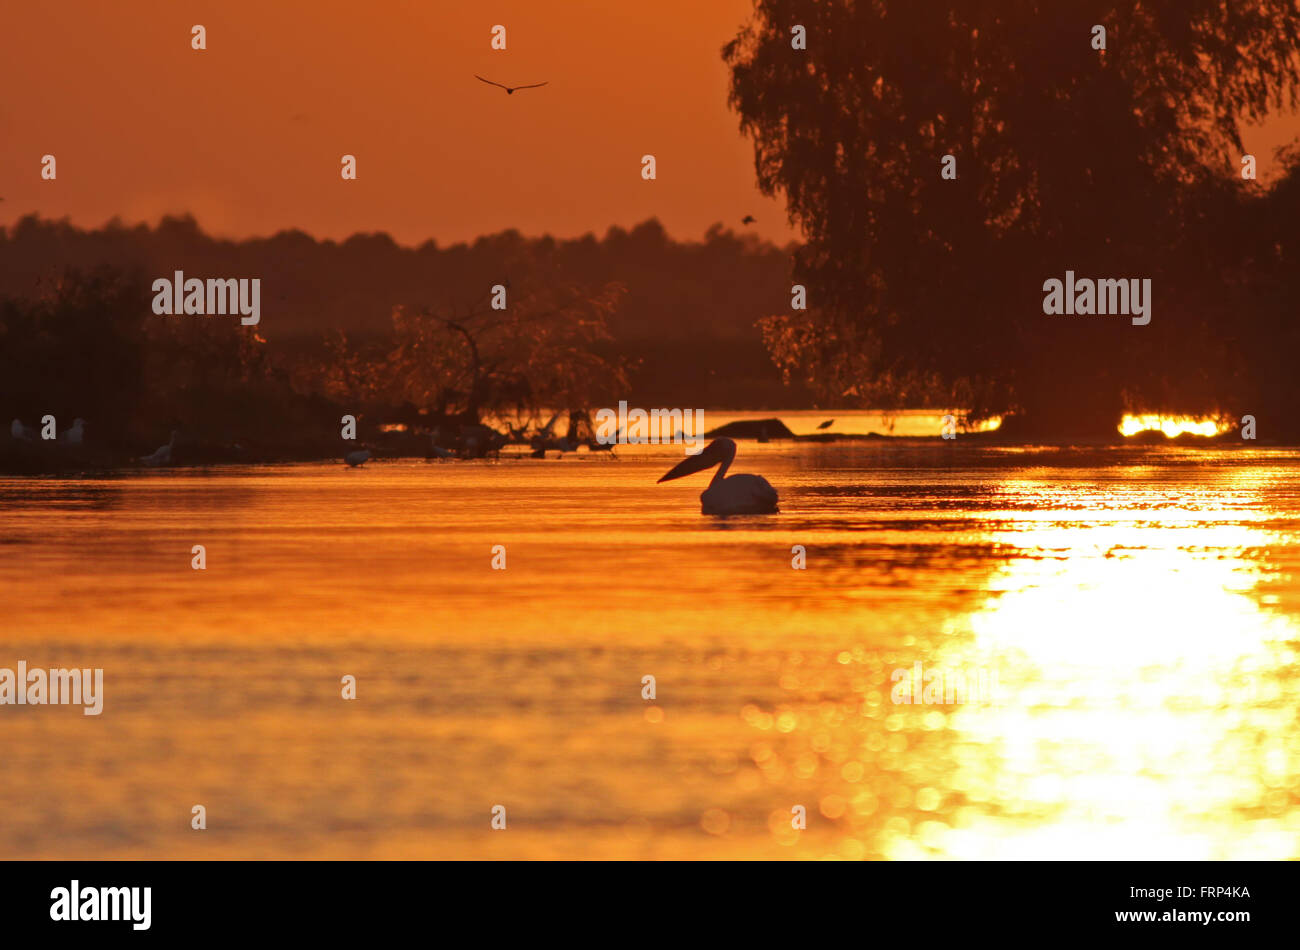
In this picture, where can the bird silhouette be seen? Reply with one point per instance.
(76, 434)
(510, 90)
(163, 455)
(826, 424)
(748, 219)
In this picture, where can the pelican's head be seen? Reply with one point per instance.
(715, 453)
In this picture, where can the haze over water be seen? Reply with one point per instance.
(1138, 605)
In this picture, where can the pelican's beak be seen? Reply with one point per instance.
(690, 465)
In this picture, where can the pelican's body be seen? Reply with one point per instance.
(727, 495)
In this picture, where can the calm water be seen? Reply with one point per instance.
(1138, 607)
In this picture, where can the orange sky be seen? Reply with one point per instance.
(248, 134)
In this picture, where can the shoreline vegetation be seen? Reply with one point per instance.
(466, 361)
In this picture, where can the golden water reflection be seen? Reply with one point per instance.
(1139, 607)
(1148, 702)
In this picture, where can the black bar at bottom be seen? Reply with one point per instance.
(609, 901)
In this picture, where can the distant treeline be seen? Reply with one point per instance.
(685, 327)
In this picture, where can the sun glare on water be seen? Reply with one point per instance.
(1172, 426)
(1138, 713)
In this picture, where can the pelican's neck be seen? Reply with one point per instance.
(728, 456)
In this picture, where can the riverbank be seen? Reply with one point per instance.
(52, 457)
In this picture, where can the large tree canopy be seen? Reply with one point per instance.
(1112, 163)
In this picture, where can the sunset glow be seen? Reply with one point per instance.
(1172, 426)
(758, 430)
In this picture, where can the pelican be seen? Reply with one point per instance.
(163, 454)
(737, 495)
(20, 431)
(359, 457)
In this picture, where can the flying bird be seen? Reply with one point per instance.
(748, 219)
(826, 424)
(510, 90)
(737, 495)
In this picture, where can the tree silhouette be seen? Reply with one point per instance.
(457, 365)
(1112, 163)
